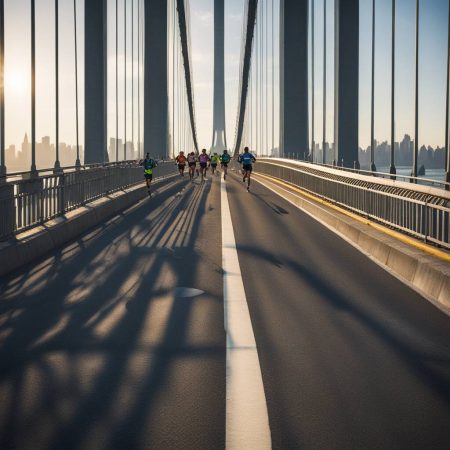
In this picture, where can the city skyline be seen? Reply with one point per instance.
(18, 160)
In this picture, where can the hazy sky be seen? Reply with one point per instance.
(433, 57)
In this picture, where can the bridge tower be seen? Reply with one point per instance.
(219, 140)
(294, 78)
(95, 82)
(346, 83)
(156, 110)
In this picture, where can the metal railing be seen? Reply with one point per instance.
(421, 211)
(27, 199)
(441, 184)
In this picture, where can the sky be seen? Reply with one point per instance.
(433, 59)
(202, 19)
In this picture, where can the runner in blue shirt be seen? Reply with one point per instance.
(225, 158)
(149, 164)
(247, 159)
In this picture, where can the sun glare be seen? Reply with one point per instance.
(15, 82)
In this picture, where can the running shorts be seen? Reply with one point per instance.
(203, 165)
(181, 166)
(192, 164)
(247, 167)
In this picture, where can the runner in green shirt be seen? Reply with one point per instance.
(214, 161)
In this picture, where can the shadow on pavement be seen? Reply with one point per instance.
(80, 367)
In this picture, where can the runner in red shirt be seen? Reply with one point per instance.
(181, 161)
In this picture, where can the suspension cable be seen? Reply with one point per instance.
(117, 81)
(173, 76)
(372, 104)
(273, 78)
(261, 77)
(267, 77)
(33, 87)
(57, 165)
(324, 121)
(313, 144)
(77, 163)
(132, 76)
(139, 78)
(125, 79)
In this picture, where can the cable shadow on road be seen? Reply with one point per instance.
(74, 333)
(422, 362)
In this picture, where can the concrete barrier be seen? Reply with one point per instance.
(42, 239)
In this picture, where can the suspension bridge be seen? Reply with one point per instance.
(311, 312)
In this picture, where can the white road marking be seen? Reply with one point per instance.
(186, 292)
(247, 420)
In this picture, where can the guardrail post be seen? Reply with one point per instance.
(7, 206)
(62, 193)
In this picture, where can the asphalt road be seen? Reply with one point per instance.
(351, 358)
(105, 345)
(117, 341)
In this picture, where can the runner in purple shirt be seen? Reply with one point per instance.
(204, 159)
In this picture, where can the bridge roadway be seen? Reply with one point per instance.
(105, 344)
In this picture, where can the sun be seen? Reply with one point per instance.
(15, 82)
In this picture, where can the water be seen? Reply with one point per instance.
(430, 174)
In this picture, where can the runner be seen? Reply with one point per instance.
(204, 159)
(246, 159)
(181, 161)
(149, 164)
(225, 158)
(192, 162)
(214, 161)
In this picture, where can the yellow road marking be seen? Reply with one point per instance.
(395, 234)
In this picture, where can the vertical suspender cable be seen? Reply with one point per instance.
(250, 113)
(57, 163)
(139, 77)
(447, 110)
(372, 107)
(179, 94)
(125, 79)
(263, 144)
(132, 75)
(313, 144)
(117, 81)
(257, 84)
(267, 77)
(273, 79)
(76, 83)
(173, 76)
(324, 121)
(2, 91)
(260, 60)
(33, 88)
(392, 168)
(261, 74)
(416, 106)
